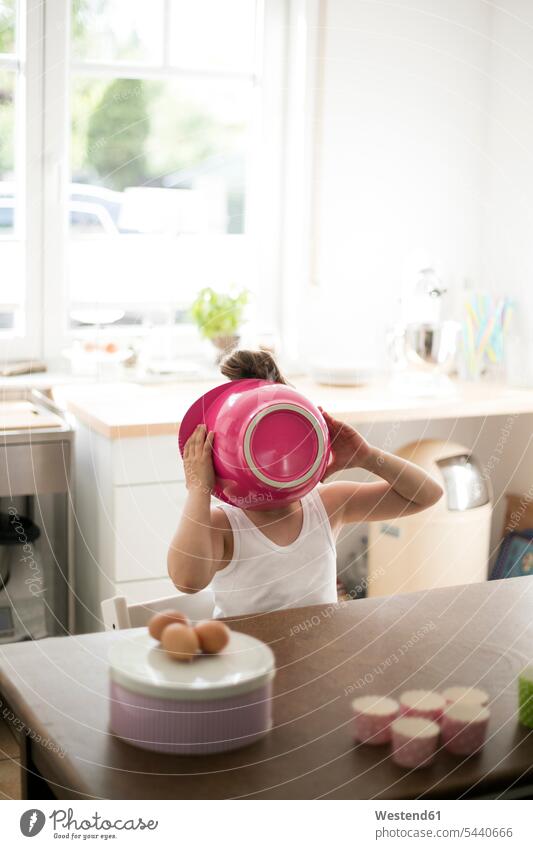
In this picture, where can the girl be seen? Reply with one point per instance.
(262, 560)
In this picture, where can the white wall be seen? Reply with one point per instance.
(507, 256)
(507, 245)
(401, 136)
(424, 155)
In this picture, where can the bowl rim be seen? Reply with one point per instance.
(294, 482)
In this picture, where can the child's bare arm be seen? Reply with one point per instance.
(197, 549)
(405, 487)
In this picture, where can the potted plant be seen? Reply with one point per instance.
(218, 317)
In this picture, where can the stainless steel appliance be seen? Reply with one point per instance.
(431, 347)
(424, 345)
(36, 580)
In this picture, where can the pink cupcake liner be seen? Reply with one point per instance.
(464, 728)
(472, 695)
(424, 704)
(414, 741)
(372, 719)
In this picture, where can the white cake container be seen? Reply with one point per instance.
(214, 703)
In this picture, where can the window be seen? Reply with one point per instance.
(12, 226)
(140, 159)
(163, 104)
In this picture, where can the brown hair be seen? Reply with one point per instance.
(254, 364)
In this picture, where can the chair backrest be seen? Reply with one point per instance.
(118, 614)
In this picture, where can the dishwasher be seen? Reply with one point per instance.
(36, 517)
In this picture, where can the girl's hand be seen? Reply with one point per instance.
(197, 460)
(348, 447)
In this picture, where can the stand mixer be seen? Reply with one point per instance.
(423, 346)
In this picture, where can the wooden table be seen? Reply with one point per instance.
(480, 634)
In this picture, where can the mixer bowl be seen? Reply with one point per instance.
(431, 347)
(271, 444)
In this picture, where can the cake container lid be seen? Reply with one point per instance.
(139, 664)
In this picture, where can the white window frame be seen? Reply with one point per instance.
(281, 177)
(305, 62)
(262, 182)
(29, 65)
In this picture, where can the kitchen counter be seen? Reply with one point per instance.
(118, 410)
(130, 481)
(325, 657)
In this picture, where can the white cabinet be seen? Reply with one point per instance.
(145, 518)
(146, 459)
(129, 498)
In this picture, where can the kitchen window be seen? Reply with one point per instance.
(12, 295)
(154, 130)
(161, 147)
(20, 187)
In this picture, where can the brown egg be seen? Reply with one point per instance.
(180, 642)
(212, 635)
(159, 622)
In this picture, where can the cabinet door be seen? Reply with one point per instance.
(146, 459)
(146, 517)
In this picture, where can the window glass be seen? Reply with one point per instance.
(7, 26)
(7, 148)
(160, 159)
(12, 283)
(212, 34)
(117, 30)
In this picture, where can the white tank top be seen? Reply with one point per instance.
(265, 576)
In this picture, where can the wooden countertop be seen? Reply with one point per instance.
(119, 410)
(480, 634)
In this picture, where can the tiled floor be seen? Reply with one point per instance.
(9, 764)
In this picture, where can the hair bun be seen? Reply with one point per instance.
(260, 365)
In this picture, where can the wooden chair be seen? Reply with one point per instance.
(118, 614)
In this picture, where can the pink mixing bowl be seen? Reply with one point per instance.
(271, 444)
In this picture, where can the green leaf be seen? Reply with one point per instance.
(218, 314)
